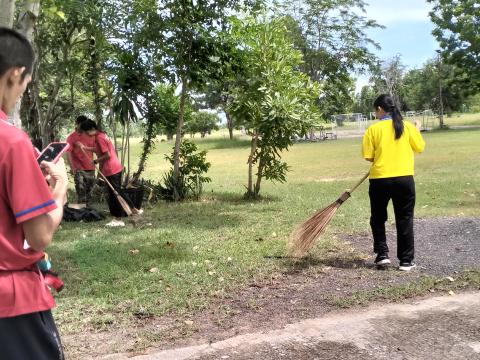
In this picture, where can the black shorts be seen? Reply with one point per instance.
(30, 337)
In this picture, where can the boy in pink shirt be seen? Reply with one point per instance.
(110, 166)
(30, 212)
(80, 161)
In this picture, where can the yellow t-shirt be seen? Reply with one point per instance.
(391, 157)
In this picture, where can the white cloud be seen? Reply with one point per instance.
(390, 11)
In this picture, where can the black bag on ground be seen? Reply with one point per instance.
(85, 214)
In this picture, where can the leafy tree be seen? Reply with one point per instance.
(332, 37)
(364, 100)
(275, 100)
(161, 118)
(192, 47)
(422, 88)
(217, 91)
(387, 77)
(458, 33)
(202, 122)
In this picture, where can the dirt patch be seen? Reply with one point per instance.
(445, 247)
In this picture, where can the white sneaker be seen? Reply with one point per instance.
(406, 265)
(382, 260)
(115, 223)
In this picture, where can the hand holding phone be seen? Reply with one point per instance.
(57, 179)
(53, 152)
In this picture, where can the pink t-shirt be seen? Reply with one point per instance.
(81, 160)
(24, 194)
(111, 166)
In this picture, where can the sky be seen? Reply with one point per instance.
(408, 32)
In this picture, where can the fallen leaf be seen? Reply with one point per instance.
(188, 322)
(153, 270)
(451, 293)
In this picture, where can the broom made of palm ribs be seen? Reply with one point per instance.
(304, 236)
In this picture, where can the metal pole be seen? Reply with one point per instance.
(440, 93)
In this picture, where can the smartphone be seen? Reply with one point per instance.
(53, 152)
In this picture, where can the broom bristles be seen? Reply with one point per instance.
(304, 236)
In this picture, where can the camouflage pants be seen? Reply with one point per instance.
(84, 181)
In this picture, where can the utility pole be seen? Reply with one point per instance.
(440, 90)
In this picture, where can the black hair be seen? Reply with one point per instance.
(386, 103)
(15, 52)
(80, 119)
(88, 125)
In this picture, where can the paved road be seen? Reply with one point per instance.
(438, 328)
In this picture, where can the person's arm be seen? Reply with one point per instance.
(416, 140)
(103, 149)
(85, 147)
(40, 229)
(70, 162)
(368, 148)
(104, 157)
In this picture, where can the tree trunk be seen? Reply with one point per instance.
(148, 142)
(127, 175)
(7, 12)
(94, 78)
(178, 140)
(259, 177)
(122, 155)
(26, 26)
(229, 125)
(250, 191)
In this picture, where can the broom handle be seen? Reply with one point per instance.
(103, 176)
(108, 183)
(360, 182)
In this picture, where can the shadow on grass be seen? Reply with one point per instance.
(237, 199)
(218, 144)
(297, 265)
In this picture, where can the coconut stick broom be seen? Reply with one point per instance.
(304, 236)
(121, 200)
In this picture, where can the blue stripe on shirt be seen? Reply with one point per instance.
(41, 206)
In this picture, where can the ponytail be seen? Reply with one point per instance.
(386, 103)
(397, 120)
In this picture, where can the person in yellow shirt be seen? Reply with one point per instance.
(390, 145)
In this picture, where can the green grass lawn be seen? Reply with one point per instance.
(183, 255)
(462, 119)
